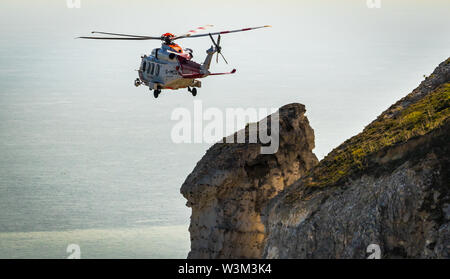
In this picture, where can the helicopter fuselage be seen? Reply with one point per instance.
(169, 67)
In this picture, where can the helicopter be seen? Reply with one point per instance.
(170, 66)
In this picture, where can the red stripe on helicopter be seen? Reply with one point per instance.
(228, 73)
(246, 29)
(191, 75)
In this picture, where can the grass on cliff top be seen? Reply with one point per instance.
(416, 120)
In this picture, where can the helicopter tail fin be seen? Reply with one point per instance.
(210, 53)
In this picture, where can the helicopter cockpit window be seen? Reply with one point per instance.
(143, 66)
(153, 68)
(157, 70)
(149, 66)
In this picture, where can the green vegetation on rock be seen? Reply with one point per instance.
(416, 119)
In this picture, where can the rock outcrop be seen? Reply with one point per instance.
(387, 187)
(233, 182)
(405, 210)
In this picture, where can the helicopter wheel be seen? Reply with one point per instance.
(137, 82)
(156, 93)
(194, 91)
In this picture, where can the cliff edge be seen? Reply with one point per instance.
(387, 187)
(232, 183)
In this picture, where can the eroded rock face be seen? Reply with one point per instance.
(405, 209)
(389, 186)
(397, 197)
(232, 183)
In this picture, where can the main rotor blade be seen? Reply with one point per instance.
(221, 32)
(112, 38)
(125, 35)
(193, 31)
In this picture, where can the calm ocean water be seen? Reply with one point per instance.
(87, 158)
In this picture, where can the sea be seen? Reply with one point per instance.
(88, 159)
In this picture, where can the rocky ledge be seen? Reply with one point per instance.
(232, 183)
(387, 187)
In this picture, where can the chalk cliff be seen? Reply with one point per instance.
(233, 182)
(388, 186)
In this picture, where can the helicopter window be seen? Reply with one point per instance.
(143, 66)
(149, 66)
(153, 68)
(157, 70)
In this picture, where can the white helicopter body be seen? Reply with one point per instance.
(170, 66)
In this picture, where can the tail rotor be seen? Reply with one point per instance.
(218, 48)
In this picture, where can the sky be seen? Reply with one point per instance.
(316, 53)
(84, 153)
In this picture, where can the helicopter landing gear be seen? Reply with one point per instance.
(137, 82)
(193, 91)
(156, 93)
